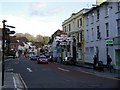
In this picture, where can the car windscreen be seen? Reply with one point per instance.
(42, 56)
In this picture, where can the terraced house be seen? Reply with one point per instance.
(102, 32)
(74, 27)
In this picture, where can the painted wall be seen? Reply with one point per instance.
(100, 43)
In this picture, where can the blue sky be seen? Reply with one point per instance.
(42, 17)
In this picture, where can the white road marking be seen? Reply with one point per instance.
(7, 60)
(63, 69)
(11, 69)
(14, 82)
(25, 86)
(29, 69)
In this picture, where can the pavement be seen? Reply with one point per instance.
(88, 68)
(13, 81)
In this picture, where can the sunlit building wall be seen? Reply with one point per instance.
(98, 2)
(76, 31)
(102, 24)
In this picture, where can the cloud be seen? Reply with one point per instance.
(32, 26)
(55, 10)
(41, 8)
(48, 12)
(38, 5)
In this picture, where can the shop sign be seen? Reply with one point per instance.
(109, 42)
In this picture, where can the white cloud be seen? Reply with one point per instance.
(34, 26)
(41, 8)
(38, 4)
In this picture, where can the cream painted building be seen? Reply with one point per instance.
(74, 28)
(98, 2)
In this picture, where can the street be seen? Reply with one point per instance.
(56, 75)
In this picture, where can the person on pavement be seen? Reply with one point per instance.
(109, 60)
(95, 60)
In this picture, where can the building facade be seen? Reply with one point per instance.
(98, 2)
(54, 47)
(0, 58)
(102, 33)
(74, 28)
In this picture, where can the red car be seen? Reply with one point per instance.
(42, 59)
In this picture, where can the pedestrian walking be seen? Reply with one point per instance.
(95, 61)
(109, 60)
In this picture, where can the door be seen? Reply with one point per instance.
(117, 56)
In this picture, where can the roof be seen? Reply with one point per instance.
(21, 40)
(13, 39)
(57, 33)
(75, 15)
(37, 44)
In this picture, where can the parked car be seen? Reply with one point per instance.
(42, 59)
(69, 60)
(49, 57)
(34, 57)
(11, 53)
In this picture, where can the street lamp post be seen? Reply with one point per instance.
(3, 50)
(3, 46)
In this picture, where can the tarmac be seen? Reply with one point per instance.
(13, 81)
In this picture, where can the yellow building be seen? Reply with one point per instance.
(98, 2)
(74, 27)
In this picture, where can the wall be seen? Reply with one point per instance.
(0, 58)
(101, 43)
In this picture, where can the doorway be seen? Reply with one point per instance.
(117, 57)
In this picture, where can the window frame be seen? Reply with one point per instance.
(92, 37)
(87, 35)
(92, 18)
(98, 14)
(118, 27)
(119, 6)
(107, 10)
(65, 29)
(107, 29)
(87, 20)
(69, 28)
(98, 33)
(79, 22)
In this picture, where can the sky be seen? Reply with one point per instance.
(39, 17)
